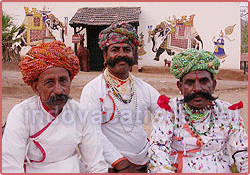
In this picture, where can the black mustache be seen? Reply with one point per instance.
(55, 98)
(112, 63)
(206, 95)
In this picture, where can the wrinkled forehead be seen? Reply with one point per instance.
(197, 74)
(54, 72)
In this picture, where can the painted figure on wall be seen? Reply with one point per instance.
(219, 43)
(163, 30)
(83, 55)
(53, 23)
(219, 47)
(149, 33)
(141, 51)
(40, 26)
(177, 35)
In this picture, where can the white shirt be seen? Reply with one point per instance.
(58, 141)
(173, 143)
(121, 139)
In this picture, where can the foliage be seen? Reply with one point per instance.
(244, 39)
(9, 29)
(244, 26)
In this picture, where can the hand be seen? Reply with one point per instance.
(130, 170)
(125, 167)
(122, 165)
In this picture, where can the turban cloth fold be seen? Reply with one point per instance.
(191, 60)
(47, 55)
(118, 33)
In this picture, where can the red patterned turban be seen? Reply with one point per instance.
(118, 33)
(47, 55)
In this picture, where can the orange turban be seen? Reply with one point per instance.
(47, 55)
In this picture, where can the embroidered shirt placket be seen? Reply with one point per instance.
(34, 138)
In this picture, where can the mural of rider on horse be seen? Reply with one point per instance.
(177, 35)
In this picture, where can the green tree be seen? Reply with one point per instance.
(244, 39)
(244, 26)
(8, 32)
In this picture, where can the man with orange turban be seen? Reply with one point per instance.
(42, 132)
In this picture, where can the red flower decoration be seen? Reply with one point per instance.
(163, 102)
(236, 106)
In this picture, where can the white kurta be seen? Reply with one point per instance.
(173, 146)
(58, 141)
(122, 138)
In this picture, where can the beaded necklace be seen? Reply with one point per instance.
(110, 80)
(118, 99)
(197, 115)
(133, 113)
(193, 117)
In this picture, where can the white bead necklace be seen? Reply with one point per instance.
(119, 100)
(133, 112)
(115, 91)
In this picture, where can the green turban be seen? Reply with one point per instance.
(191, 60)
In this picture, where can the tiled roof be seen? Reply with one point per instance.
(105, 15)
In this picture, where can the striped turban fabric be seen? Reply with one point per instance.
(118, 33)
(191, 60)
(47, 55)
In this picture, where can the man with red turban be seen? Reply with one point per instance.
(42, 132)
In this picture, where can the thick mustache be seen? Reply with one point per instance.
(206, 95)
(112, 63)
(56, 98)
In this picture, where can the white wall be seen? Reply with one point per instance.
(210, 19)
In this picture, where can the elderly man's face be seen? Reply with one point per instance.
(197, 86)
(53, 87)
(119, 58)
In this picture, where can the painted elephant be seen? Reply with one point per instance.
(53, 23)
(41, 26)
(177, 35)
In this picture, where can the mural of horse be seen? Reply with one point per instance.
(177, 35)
(83, 55)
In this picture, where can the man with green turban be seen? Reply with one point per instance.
(194, 60)
(197, 133)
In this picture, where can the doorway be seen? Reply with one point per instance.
(96, 56)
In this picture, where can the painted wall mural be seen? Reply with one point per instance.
(39, 26)
(219, 43)
(149, 33)
(177, 35)
(141, 51)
